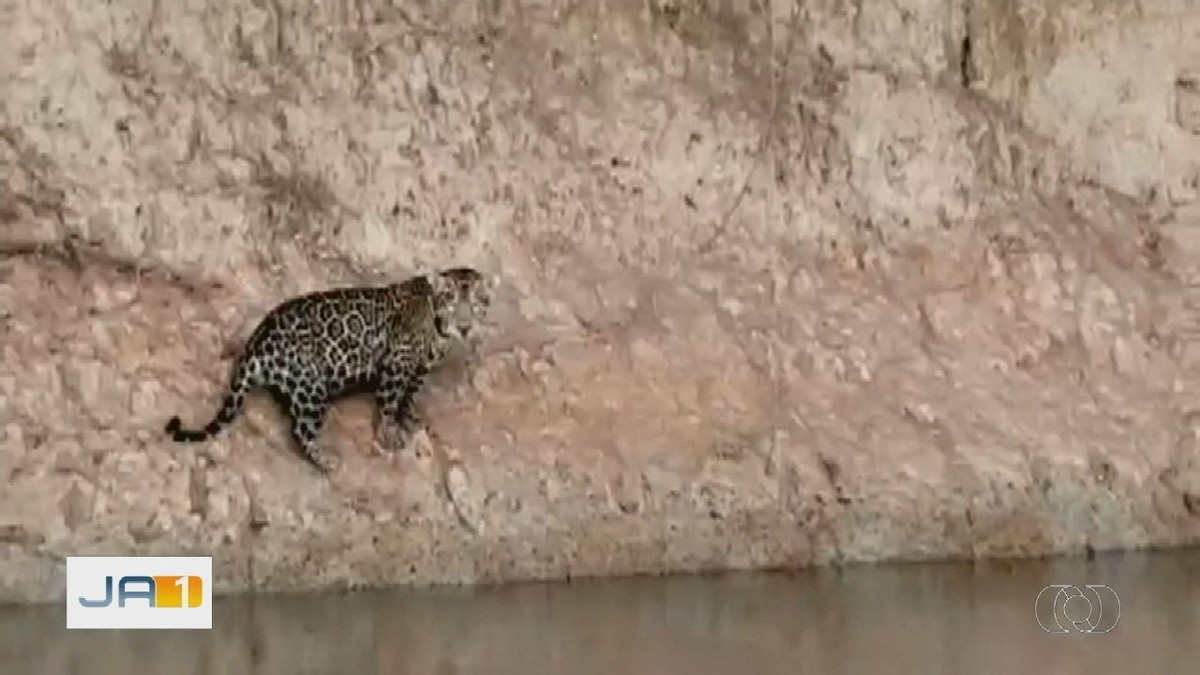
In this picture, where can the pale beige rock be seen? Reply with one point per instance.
(1112, 84)
(850, 281)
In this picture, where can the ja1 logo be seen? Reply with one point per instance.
(137, 592)
(1068, 609)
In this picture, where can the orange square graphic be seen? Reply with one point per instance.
(169, 591)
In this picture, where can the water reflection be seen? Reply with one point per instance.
(889, 619)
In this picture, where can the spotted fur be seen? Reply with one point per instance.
(313, 349)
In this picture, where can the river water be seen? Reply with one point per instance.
(914, 618)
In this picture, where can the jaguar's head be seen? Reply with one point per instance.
(461, 298)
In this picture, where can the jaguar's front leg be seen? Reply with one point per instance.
(395, 396)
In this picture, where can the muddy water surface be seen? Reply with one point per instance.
(929, 618)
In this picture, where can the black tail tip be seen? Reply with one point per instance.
(173, 426)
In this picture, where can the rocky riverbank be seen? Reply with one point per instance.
(779, 285)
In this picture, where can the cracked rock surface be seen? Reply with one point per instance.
(830, 282)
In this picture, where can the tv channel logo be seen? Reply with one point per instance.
(1063, 608)
(139, 592)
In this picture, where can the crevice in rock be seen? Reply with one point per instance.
(77, 255)
(966, 66)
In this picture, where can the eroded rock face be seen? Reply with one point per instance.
(775, 290)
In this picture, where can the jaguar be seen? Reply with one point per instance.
(311, 350)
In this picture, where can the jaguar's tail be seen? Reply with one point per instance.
(231, 406)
